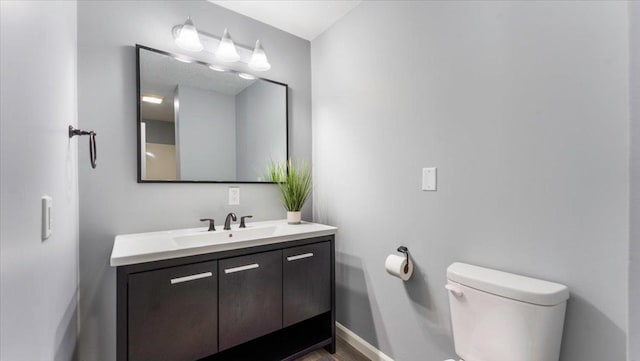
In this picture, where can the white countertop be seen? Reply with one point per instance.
(155, 246)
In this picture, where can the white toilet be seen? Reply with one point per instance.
(500, 316)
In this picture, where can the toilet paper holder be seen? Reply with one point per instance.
(405, 250)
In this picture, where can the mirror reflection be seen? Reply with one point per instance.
(198, 123)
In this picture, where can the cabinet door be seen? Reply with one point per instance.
(306, 282)
(250, 297)
(173, 313)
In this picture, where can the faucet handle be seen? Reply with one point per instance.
(242, 224)
(212, 226)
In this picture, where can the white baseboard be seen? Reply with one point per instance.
(360, 344)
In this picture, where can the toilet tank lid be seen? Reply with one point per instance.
(508, 285)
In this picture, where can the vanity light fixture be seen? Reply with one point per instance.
(152, 99)
(188, 37)
(227, 51)
(259, 60)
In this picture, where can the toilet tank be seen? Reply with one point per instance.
(500, 316)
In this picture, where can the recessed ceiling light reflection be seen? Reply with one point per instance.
(152, 99)
(184, 60)
(217, 68)
(246, 76)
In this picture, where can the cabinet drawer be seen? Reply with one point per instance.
(250, 302)
(306, 282)
(173, 313)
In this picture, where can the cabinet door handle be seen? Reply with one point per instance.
(241, 268)
(191, 278)
(300, 256)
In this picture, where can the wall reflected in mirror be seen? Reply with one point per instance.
(199, 124)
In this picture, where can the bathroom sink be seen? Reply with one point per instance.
(234, 235)
(161, 245)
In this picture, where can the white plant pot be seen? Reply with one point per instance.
(294, 217)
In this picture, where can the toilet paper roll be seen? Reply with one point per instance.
(397, 266)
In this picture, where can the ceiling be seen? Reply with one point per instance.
(160, 75)
(306, 19)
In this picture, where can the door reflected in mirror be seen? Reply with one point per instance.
(199, 124)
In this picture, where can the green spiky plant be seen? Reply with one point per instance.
(294, 181)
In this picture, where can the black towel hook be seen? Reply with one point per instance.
(93, 151)
(405, 250)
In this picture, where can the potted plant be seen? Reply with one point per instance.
(294, 181)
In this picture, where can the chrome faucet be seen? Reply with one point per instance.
(227, 221)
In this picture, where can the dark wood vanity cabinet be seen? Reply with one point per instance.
(250, 302)
(164, 303)
(270, 302)
(306, 282)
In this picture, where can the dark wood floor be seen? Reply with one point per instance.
(344, 352)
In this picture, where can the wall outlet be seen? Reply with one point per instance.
(429, 179)
(47, 204)
(234, 196)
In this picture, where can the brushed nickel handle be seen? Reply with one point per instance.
(191, 278)
(241, 268)
(300, 256)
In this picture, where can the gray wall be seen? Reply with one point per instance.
(38, 279)
(160, 132)
(261, 133)
(111, 202)
(523, 107)
(634, 249)
(206, 134)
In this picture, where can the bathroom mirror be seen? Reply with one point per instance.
(198, 122)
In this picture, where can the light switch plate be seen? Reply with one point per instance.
(429, 179)
(47, 203)
(234, 196)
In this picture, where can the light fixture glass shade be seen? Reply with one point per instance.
(188, 38)
(227, 51)
(259, 59)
